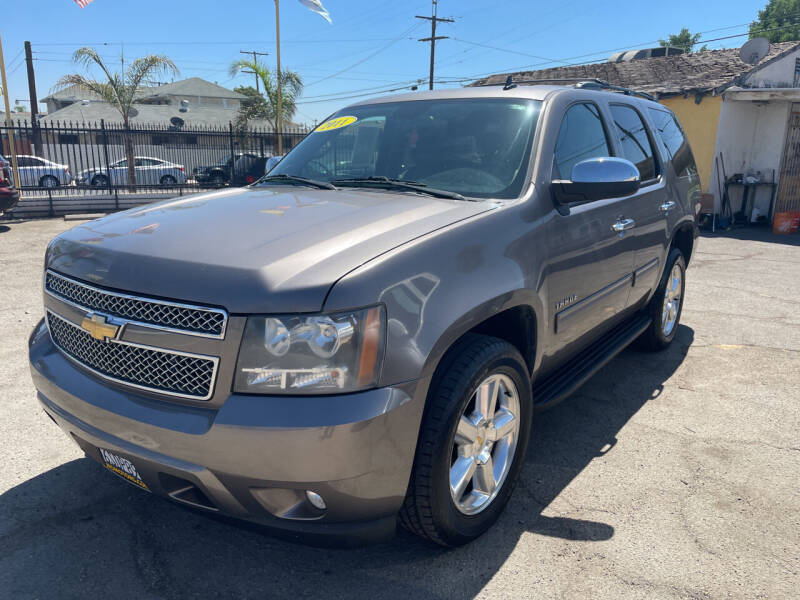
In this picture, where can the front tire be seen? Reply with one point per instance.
(666, 305)
(99, 181)
(472, 442)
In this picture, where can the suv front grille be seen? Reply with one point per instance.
(161, 371)
(194, 320)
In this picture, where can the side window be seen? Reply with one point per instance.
(582, 136)
(671, 135)
(633, 139)
(23, 161)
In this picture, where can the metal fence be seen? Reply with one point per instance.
(70, 167)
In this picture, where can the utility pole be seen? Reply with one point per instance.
(255, 60)
(433, 19)
(37, 133)
(12, 148)
(278, 119)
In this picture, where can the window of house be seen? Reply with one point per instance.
(796, 72)
(67, 138)
(582, 136)
(634, 140)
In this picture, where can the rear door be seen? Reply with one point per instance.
(590, 265)
(648, 207)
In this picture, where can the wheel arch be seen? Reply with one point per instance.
(512, 317)
(683, 239)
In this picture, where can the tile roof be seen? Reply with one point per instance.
(662, 76)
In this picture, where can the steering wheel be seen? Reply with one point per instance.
(320, 168)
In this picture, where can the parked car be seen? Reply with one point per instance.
(9, 196)
(40, 172)
(271, 162)
(367, 333)
(149, 171)
(244, 168)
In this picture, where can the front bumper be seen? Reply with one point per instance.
(253, 457)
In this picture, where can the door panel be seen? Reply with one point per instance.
(590, 273)
(648, 207)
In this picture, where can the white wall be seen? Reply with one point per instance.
(776, 74)
(751, 136)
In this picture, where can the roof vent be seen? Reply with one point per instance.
(645, 53)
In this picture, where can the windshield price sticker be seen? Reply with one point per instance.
(336, 123)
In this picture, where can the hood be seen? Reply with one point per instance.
(261, 249)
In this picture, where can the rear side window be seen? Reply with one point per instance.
(671, 135)
(633, 140)
(582, 136)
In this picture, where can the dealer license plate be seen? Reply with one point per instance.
(122, 467)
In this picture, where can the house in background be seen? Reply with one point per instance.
(194, 100)
(749, 115)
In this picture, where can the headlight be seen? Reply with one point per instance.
(311, 354)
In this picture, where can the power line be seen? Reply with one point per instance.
(363, 60)
(433, 19)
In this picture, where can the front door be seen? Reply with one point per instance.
(590, 264)
(651, 207)
(788, 198)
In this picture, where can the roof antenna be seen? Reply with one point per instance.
(510, 85)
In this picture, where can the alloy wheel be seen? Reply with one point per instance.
(672, 300)
(484, 444)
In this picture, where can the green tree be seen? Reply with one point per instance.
(120, 90)
(778, 22)
(267, 107)
(685, 40)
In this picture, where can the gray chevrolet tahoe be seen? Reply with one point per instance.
(365, 334)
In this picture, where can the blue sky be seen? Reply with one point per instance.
(370, 48)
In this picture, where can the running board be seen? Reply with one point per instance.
(557, 386)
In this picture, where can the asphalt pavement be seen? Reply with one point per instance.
(669, 475)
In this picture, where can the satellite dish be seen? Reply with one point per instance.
(177, 122)
(754, 51)
(132, 112)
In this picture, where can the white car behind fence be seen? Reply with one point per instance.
(35, 171)
(149, 171)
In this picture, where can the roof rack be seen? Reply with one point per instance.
(587, 84)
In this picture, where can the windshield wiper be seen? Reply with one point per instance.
(388, 183)
(284, 178)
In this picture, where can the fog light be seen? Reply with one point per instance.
(315, 499)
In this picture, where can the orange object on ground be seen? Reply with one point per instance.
(786, 222)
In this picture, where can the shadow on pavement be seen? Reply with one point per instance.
(755, 234)
(75, 531)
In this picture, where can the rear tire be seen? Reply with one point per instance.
(436, 508)
(48, 181)
(666, 305)
(168, 180)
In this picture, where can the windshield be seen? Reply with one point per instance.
(476, 147)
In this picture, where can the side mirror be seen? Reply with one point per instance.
(597, 179)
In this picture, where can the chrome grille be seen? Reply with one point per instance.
(161, 371)
(194, 320)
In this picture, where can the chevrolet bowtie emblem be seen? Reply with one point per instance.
(99, 328)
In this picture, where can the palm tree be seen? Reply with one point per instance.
(291, 89)
(120, 90)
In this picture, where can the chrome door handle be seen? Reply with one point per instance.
(667, 206)
(623, 224)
